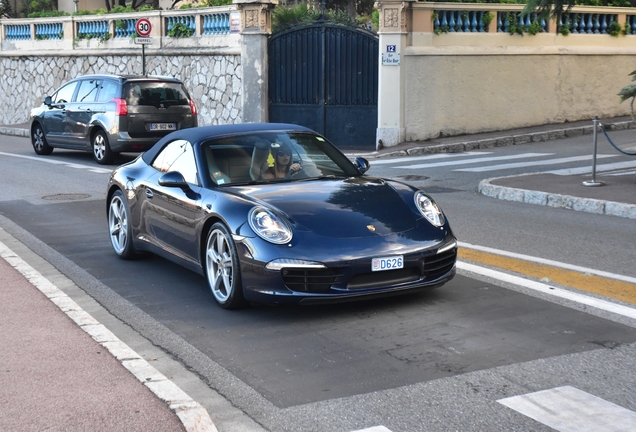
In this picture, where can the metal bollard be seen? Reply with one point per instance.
(594, 139)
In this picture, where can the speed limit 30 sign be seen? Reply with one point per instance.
(143, 27)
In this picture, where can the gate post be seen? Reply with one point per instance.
(256, 26)
(395, 23)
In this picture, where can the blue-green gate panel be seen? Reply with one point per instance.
(325, 77)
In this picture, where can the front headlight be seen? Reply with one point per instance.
(269, 226)
(429, 209)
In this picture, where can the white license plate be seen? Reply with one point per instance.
(387, 263)
(163, 126)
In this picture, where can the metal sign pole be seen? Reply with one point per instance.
(143, 59)
(594, 140)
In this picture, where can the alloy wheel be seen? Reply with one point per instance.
(38, 139)
(99, 147)
(118, 225)
(219, 266)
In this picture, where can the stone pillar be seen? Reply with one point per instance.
(256, 26)
(395, 25)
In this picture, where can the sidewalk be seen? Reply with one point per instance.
(62, 370)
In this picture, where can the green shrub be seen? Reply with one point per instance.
(286, 17)
(47, 14)
(614, 29)
(180, 30)
(212, 3)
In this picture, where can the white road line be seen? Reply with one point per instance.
(535, 163)
(599, 168)
(568, 409)
(57, 162)
(429, 157)
(474, 161)
(548, 262)
(374, 429)
(550, 290)
(193, 416)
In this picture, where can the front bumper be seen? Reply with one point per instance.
(347, 279)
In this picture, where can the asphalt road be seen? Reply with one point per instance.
(432, 361)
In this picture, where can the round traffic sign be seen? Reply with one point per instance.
(143, 27)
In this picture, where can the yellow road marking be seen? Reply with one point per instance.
(615, 289)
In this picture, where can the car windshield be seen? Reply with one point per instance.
(273, 157)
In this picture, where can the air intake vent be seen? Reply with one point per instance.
(437, 265)
(309, 280)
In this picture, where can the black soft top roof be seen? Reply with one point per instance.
(205, 133)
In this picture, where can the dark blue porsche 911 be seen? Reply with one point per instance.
(274, 213)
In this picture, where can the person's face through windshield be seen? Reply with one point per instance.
(283, 157)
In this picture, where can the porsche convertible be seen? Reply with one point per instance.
(274, 213)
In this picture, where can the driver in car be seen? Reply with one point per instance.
(284, 167)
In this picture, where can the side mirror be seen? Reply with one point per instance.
(362, 164)
(173, 179)
(48, 101)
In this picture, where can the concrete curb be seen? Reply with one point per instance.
(14, 131)
(501, 141)
(192, 415)
(588, 205)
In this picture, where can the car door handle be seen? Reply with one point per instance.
(149, 193)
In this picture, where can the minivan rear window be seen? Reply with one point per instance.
(155, 94)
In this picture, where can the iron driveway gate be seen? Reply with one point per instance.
(325, 77)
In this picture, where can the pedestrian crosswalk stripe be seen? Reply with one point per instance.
(534, 163)
(474, 161)
(428, 157)
(588, 169)
(568, 409)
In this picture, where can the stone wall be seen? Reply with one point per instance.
(213, 80)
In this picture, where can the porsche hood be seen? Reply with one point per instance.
(341, 208)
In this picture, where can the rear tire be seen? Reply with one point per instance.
(222, 268)
(38, 139)
(101, 149)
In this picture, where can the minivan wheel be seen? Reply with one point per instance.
(40, 145)
(101, 149)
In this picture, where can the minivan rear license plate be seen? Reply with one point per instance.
(387, 263)
(163, 126)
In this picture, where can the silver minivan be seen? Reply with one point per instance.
(108, 114)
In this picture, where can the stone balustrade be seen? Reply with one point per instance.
(187, 28)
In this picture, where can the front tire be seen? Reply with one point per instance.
(38, 139)
(101, 148)
(119, 227)
(222, 268)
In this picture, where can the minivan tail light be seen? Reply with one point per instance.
(121, 109)
(193, 107)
